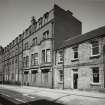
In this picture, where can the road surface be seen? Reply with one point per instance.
(34, 96)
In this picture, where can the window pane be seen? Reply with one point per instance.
(61, 74)
(46, 77)
(48, 55)
(60, 56)
(96, 74)
(75, 52)
(36, 59)
(43, 56)
(95, 48)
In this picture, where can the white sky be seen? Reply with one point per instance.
(15, 15)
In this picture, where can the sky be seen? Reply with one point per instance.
(15, 15)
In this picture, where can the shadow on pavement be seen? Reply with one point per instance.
(42, 102)
(5, 101)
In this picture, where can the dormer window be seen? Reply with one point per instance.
(33, 20)
(95, 48)
(26, 46)
(46, 15)
(20, 37)
(17, 40)
(40, 21)
(34, 41)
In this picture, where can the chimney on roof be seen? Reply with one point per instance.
(69, 12)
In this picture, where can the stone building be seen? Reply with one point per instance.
(1, 67)
(80, 61)
(29, 58)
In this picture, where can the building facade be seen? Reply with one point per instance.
(80, 62)
(29, 59)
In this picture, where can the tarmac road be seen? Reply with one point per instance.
(35, 96)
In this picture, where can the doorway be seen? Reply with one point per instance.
(75, 80)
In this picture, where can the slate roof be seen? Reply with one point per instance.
(81, 38)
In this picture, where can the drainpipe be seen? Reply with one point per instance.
(22, 66)
(63, 68)
(53, 54)
(18, 61)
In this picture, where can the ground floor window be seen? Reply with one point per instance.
(95, 74)
(12, 76)
(61, 75)
(34, 75)
(25, 76)
(45, 75)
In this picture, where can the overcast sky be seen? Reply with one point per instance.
(15, 15)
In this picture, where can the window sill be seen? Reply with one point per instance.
(60, 82)
(34, 66)
(60, 62)
(74, 60)
(95, 56)
(95, 84)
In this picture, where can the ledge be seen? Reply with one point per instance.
(60, 62)
(60, 82)
(46, 65)
(74, 60)
(95, 84)
(96, 56)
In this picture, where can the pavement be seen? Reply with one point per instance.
(24, 94)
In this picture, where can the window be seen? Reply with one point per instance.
(75, 52)
(15, 60)
(25, 76)
(40, 21)
(60, 57)
(24, 61)
(27, 61)
(12, 76)
(46, 15)
(43, 56)
(95, 48)
(95, 74)
(26, 46)
(61, 74)
(34, 73)
(34, 59)
(48, 55)
(12, 61)
(20, 37)
(34, 41)
(46, 35)
(45, 76)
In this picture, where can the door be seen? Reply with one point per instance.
(75, 80)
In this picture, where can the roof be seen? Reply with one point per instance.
(81, 38)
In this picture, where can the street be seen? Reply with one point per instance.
(27, 95)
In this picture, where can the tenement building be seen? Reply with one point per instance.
(80, 61)
(30, 58)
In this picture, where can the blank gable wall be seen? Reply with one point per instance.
(66, 26)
